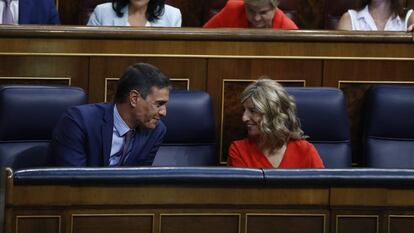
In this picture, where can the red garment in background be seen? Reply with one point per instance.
(234, 15)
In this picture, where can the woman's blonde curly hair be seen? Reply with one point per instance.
(278, 109)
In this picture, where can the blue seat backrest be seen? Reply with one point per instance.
(28, 114)
(190, 138)
(389, 127)
(323, 117)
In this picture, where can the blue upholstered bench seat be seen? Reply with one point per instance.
(216, 176)
(190, 138)
(28, 114)
(323, 117)
(388, 127)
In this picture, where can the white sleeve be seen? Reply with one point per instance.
(172, 16)
(94, 18)
(177, 21)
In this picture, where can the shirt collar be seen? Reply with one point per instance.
(119, 124)
(364, 13)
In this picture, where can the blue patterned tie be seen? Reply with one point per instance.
(7, 14)
(125, 149)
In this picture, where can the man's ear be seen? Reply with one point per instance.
(134, 97)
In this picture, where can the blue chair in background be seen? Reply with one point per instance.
(28, 115)
(389, 127)
(190, 138)
(323, 117)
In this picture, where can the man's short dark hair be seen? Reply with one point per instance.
(141, 77)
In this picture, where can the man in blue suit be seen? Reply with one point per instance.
(30, 11)
(127, 132)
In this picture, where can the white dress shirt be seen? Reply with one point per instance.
(104, 15)
(363, 21)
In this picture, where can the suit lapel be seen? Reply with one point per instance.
(107, 131)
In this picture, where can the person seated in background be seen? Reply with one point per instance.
(251, 14)
(148, 13)
(127, 132)
(378, 15)
(28, 12)
(275, 139)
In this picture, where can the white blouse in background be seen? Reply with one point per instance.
(363, 21)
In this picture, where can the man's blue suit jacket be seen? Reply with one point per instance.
(38, 12)
(83, 137)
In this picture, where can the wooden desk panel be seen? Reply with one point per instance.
(176, 207)
(101, 68)
(58, 70)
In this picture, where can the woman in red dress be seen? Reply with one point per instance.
(275, 139)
